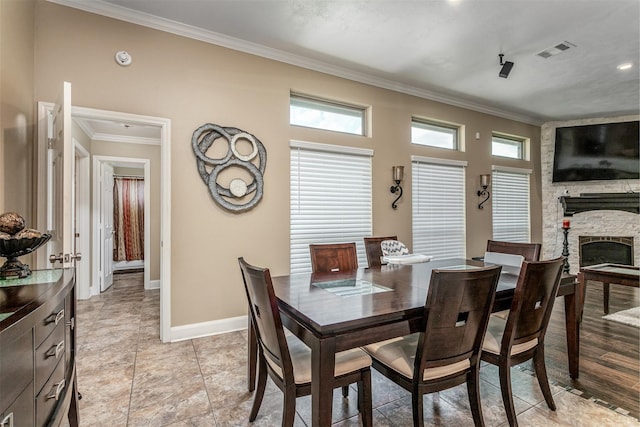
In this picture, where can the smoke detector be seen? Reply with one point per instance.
(554, 50)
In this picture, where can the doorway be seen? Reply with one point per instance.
(100, 262)
(126, 121)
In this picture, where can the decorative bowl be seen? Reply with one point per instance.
(12, 248)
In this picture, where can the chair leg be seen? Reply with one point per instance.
(416, 404)
(365, 405)
(507, 396)
(345, 391)
(259, 393)
(473, 389)
(289, 410)
(543, 380)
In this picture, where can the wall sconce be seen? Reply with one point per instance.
(485, 181)
(398, 174)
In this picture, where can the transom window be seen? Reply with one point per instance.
(434, 134)
(327, 115)
(504, 146)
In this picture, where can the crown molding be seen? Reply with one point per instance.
(109, 137)
(147, 20)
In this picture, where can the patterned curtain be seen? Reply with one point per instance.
(128, 223)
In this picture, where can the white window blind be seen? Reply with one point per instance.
(510, 201)
(330, 200)
(439, 208)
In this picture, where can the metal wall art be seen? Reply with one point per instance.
(232, 198)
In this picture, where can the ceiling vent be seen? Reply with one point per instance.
(554, 50)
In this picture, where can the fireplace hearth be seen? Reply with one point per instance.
(605, 249)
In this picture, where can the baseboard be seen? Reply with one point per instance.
(153, 284)
(205, 329)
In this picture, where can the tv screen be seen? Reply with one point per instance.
(597, 152)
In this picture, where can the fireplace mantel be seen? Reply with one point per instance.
(628, 202)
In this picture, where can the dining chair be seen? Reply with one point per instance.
(393, 247)
(373, 249)
(530, 251)
(521, 336)
(333, 257)
(446, 351)
(287, 360)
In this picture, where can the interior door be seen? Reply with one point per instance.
(106, 219)
(60, 183)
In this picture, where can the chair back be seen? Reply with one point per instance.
(457, 312)
(393, 247)
(533, 301)
(265, 315)
(333, 257)
(373, 249)
(530, 251)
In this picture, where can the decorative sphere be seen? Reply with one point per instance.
(238, 187)
(11, 223)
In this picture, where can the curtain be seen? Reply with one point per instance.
(128, 224)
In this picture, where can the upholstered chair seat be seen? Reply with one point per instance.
(493, 338)
(399, 354)
(346, 361)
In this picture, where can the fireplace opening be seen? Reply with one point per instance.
(605, 249)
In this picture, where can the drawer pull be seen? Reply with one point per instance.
(55, 317)
(59, 388)
(55, 350)
(7, 421)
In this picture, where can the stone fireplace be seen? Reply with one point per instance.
(602, 233)
(601, 249)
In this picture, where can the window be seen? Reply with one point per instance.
(438, 207)
(434, 134)
(330, 199)
(320, 114)
(503, 146)
(510, 201)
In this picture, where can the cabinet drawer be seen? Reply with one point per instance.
(16, 367)
(52, 316)
(20, 413)
(48, 354)
(50, 395)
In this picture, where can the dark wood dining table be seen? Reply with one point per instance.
(332, 312)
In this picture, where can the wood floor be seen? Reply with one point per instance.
(609, 351)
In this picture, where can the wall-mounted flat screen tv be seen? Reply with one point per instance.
(597, 152)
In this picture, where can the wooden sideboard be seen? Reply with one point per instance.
(37, 350)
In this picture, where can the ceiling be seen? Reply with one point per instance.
(445, 50)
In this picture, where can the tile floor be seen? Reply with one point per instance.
(127, 377)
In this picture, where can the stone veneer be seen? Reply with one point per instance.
(592, 223)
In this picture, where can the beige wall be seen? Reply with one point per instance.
(17, 107)
(152, 153)
(193, 83)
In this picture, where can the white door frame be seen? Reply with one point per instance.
(82, 207)
(115, 161)
(165, 192)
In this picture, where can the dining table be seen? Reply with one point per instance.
(333, 312)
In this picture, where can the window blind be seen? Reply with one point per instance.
(439, 209)
(330, 200)
(510, 202)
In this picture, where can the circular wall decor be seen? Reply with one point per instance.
(210, 168)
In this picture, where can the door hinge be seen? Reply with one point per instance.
(50, 143)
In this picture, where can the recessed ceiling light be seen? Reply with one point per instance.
(625, 66)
